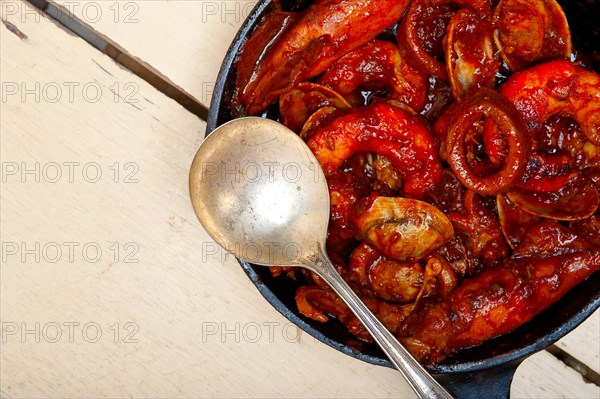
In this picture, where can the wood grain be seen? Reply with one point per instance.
(583, 343)
(551, 378)
(189, 38)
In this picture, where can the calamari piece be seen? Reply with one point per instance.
(423, 28)
(317, 302)
(420, 36)
(480, 227)
(402, 228)
(471, 113)
(307, 46)
(307, 296)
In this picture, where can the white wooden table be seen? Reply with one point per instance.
(109, 287)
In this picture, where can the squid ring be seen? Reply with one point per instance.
(487, 103)
(409, 38)
(422, 28)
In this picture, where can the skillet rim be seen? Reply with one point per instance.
(511, 357)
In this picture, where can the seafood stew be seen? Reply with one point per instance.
(507, 182)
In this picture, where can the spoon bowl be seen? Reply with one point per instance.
(260, 193)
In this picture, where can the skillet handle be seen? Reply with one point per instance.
(493, 383)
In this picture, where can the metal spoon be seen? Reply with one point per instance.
(261, 194)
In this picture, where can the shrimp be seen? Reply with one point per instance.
(552, 186)
(496, 301)
(553, 88)
(307, 45)
(399, 135)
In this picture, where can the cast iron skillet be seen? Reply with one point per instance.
(479, 372)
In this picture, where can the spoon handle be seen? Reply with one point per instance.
(419, 379)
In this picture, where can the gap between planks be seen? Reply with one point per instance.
(588, 373)
(112, 49)
(162, 83)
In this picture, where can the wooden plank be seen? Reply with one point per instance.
(583, 343)
(189, 38)
(543, 376)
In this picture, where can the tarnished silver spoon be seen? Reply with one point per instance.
(260, 193)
